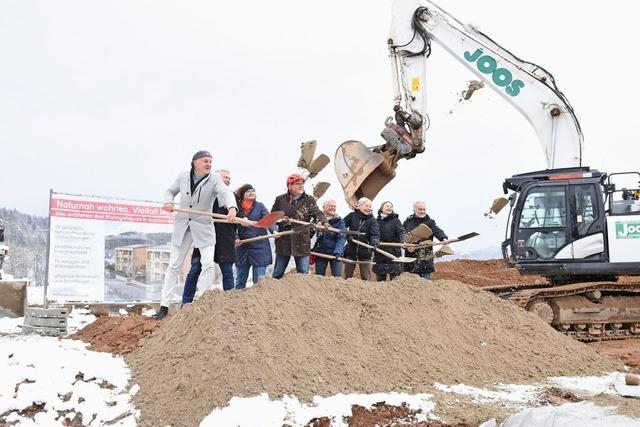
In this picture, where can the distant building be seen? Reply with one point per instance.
(131, 260)
(157, 263)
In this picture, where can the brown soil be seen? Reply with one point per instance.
(117, 335)
(493, 272)
(482, 273)
(626, 350)
(308, 335)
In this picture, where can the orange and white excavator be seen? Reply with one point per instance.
(577, 226)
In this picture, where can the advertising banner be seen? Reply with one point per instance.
(107, 250)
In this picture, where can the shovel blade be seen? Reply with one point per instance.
(421, 232)
(498, 204)
(467, 236)
(444, 251)
(404, 259)
(307, 150)
(269, 219)
(320, 188)
(317, 165)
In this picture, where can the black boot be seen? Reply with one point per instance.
(162, 313)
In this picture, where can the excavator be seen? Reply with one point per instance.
(576, 226)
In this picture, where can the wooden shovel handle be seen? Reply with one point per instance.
(266, 236)
(380, 251)
(322, 227)
(242, 221)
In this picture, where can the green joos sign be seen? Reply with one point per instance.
(502, 77)
(628, 230)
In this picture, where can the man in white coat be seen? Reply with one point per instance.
(198, 189)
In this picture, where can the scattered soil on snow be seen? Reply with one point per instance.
(117, 335)
(307, 335)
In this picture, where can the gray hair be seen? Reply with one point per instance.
(363, 200)
(219, 171)
(418, 202)
(326, 202)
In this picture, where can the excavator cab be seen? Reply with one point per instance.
(559, 226)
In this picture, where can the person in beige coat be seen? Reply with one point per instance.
(198, 189)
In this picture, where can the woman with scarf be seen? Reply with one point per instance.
(254, 255)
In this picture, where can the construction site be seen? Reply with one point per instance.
(520, 307)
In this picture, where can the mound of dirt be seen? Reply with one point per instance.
(306, 336)
(118, 335)
(482, 273)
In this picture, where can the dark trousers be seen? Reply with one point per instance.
(321, 266)
(382, 277)
(365, 271)
(191, 282)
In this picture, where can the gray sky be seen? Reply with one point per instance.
(112, 98)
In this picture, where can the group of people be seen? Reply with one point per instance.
(354, 238)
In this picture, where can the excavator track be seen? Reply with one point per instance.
(591, 311)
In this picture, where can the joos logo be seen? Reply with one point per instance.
(628, 230)
(500, 76)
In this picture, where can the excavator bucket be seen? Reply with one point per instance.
(362, 172)
(317, 165)
(307, 150)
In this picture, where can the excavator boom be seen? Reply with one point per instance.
(529, 88)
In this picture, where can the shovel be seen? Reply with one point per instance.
(320, 188)
(317, 165)
(421, 232)
(446, 242)
(307, 150)
(385, 253)
(266, 222)
(267, 236)
(497, 205)
(321, 227)
(347, 260)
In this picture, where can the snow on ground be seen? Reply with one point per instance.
(588, 385)
(261, 411)
(583, 414)
(64, 376)
(507, 393)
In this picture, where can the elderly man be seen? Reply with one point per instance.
(198, 190)
(362, 221)
(423, 265)
(299, 205)
(225, 250)
(330, 243)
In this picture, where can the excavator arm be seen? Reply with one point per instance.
(531, 89)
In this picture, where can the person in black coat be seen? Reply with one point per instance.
(423, 265)
(224, 253)
(363, 221)
(330, 243)
(392, 231)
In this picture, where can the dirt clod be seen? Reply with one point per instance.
(118, 335)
